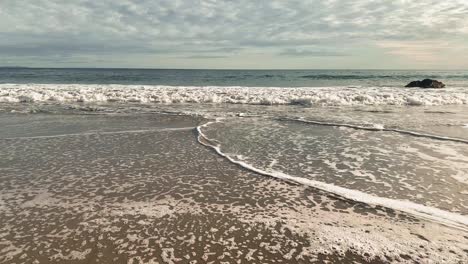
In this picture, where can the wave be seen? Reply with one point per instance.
(317, 96)
(421, 211)
(379, 77)
(348, 77)
(101, 133)
(378, 127)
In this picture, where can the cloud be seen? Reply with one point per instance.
(205, 57)
(418, 50)
(438, 53)
(219, 28)
(312, 53)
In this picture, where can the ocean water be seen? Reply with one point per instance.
(248, 78)
(312, 88)
(356, 136)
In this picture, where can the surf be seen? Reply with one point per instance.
(421, 211)
(249, 95)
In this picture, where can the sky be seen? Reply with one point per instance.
(233, 34)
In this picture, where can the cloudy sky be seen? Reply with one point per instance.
(281, 34)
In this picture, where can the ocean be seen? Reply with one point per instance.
(247, 78)
(293, 166)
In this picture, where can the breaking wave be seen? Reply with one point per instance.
(317, 96)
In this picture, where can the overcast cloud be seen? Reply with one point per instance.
(235, 34)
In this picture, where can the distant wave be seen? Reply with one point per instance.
(317, 96)
(377, 76)
(247, 76)
(422, 211)
(347, 77)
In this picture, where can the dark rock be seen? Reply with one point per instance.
(426, 83)
(414, 84)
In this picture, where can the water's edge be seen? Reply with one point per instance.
(425, 212)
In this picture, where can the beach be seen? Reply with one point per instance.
(114, 174)
(91, 188)
(220, 131)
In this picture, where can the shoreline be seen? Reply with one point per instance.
(91, 202)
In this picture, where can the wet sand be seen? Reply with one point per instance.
(141, 189)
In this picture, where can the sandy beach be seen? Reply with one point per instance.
(111, 193)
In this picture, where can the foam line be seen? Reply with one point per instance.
(405, 132)
(422, 211)
(104, 133)
(418, 134)
(331, 124)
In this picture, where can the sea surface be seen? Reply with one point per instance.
(357, 136)
(248, 78)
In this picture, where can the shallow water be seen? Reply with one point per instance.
(382, 164)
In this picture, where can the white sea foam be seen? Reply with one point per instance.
(379, 127)
(327, 96)
(422, 211)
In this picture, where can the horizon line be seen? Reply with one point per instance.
(233, 69)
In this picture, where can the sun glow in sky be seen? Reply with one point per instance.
(282, 34)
